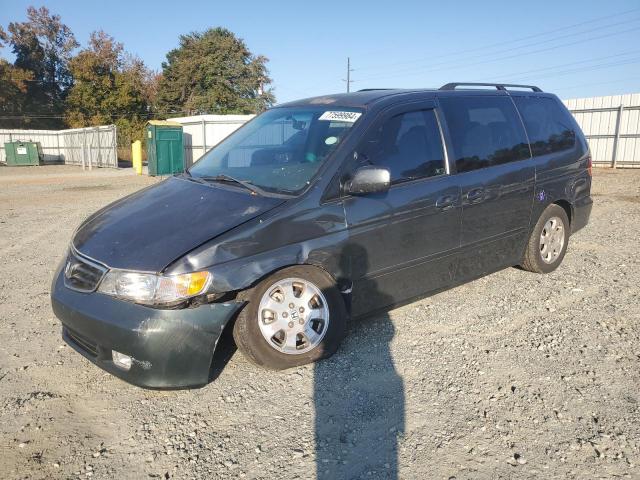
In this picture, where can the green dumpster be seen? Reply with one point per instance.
(165, 152)
(22, 153)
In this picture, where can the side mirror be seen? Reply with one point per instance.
(369, 179)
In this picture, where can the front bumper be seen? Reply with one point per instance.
(170, 348)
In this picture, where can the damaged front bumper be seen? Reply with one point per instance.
(169, 348)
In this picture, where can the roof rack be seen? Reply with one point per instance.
(498, 86)
(374, 89)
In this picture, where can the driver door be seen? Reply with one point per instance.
(403, 242)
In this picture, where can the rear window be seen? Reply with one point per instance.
(548, 125)
(485, 131)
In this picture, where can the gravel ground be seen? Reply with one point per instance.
(515, 375)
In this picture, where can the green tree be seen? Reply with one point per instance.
(43, 45)
(13, 88)
(109, 87)
(214, 72)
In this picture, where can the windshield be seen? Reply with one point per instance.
(280, 150)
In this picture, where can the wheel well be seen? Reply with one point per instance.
(267, 274)
(343, 286)
(566, 206)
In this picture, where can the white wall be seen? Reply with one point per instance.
(201, 132)
(598, 118)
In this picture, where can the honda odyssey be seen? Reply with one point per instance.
(318, 211)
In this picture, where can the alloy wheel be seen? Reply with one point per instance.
(293, 316)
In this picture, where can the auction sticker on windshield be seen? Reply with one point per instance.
(340, 116)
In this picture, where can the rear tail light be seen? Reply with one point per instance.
(589, 166)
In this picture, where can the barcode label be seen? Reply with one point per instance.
(338, 116)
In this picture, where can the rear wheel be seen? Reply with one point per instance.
(293, 317)
(548, 242)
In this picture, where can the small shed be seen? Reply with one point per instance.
(165, 151)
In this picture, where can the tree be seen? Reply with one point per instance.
(109, 87)
(214, 72)
(43, 46)
(13, 88)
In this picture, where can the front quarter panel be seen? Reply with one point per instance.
(300, 232)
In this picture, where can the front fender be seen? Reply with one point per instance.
(302, 234)
(323, 252)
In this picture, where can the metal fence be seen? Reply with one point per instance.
(89, 147)
(201, 132)
(612, 127)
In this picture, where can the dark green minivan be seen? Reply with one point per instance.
(317, 211)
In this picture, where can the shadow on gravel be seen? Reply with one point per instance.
(359, 398)
(223, 352)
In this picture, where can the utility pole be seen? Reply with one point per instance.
(349, 70)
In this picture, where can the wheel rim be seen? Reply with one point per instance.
(293, 316)
(552, 240)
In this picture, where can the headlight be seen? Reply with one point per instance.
(152, 289)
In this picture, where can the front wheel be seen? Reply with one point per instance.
(293, 317)
(548, 242)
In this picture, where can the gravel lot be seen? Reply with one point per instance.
(515, 375)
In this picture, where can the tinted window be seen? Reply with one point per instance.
(548, 125)
(485, 131)
(409, 145)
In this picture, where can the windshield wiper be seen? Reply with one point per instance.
(187, 175)
(229, 179)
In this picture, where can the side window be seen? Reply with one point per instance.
(409, 145)
(485, 131)
(548, 125)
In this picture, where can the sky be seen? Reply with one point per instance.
(572, 48)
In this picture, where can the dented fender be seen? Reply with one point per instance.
(243, 273)
(303, 233)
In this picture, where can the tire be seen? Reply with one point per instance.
(316, 326)
(545, 256)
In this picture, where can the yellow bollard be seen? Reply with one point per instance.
(136, 156)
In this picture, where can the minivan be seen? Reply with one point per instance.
(318, 211)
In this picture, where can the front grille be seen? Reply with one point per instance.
(84, 343)
(82, 274)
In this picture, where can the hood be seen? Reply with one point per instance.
(155, 226)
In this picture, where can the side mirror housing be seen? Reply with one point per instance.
(369, 179)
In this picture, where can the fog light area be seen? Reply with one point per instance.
(121, 360)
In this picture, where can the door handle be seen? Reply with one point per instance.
(446, 202)
(475, 195)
